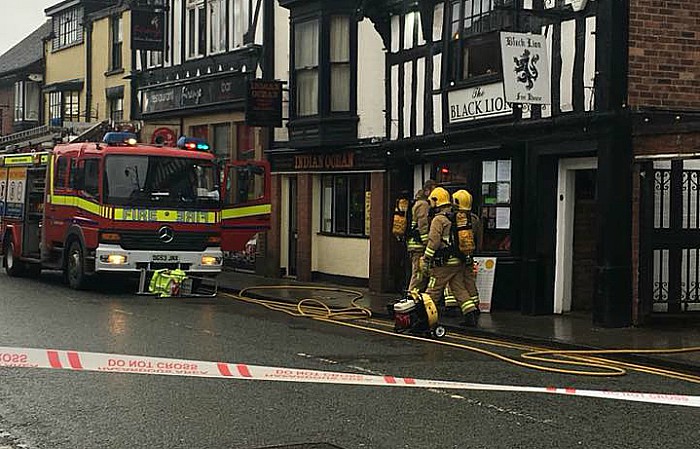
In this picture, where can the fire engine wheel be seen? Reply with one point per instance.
(75, 266)
(13, 267)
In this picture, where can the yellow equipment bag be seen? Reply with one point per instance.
(464, 233)
(166, 283)
(400, 221)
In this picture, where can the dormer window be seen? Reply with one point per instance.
(67, 30)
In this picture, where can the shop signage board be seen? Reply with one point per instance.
(193, 94)
(263, 105)
(335, 161)
(485, 278)
(478, 102)
(147, 30)
(526, 75)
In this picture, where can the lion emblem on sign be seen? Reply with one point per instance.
(525, 68)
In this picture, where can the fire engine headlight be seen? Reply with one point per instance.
(211, 260)
(113, 259)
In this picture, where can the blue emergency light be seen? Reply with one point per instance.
(120, 138)
(192, 143)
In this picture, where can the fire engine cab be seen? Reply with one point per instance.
(117, 206)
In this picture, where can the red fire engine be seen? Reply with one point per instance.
(121, 207)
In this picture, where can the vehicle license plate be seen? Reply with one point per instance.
(165, 258)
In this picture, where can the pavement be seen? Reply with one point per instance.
(570, 331)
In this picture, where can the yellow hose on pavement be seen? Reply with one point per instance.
(318, 310)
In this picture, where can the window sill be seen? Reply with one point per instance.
(343, 236)
(114, 72)
(480, 80)
(66, 47)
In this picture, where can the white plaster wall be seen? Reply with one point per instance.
(371, 74)
(342, 256)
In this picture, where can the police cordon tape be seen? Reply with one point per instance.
(117, 363)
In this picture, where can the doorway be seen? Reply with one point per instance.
(576, 243)
(293, 228)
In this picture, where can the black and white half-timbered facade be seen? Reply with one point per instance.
(192, 70)
(551, 182)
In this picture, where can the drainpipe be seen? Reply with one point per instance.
(88, 70)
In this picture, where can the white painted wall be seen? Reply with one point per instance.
(568, 53)
(589, 65)
(371, 73)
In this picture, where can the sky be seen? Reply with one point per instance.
(18, 18)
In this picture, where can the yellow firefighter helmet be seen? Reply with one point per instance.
(462, 200)
(439, 197)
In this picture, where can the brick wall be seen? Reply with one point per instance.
(664, 54)
(667, 143)
(379, 229)
(272, 254)
(304, 225)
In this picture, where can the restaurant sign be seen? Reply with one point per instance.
(194, 94)
(147, 30)
(263, 105)
(477, 102)
(337, 161)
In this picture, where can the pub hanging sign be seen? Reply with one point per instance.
(263, 106)
(147, 30)
(526, 76)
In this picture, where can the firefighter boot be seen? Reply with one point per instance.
(471, 319)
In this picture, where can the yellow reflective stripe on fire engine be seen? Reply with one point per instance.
(165, 216)
(80, 203)
(248, 211)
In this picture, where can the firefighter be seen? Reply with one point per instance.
(462, 201)
(440, 259)
(418, 235)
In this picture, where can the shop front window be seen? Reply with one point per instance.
(222, 140)
(496, 204)
(343, 204)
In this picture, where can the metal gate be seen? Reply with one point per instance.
(670, 237)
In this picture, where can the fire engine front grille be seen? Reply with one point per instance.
(148, 240)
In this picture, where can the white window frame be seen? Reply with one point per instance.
(192, 36)
(19, 101)
(239, 21)
(217, 26)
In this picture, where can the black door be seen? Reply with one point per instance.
(670, 239)
(293, 231)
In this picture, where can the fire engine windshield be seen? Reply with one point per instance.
(155, 181)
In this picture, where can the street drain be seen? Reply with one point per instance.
(304, 446)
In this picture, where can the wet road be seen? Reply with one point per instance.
(60, 409)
